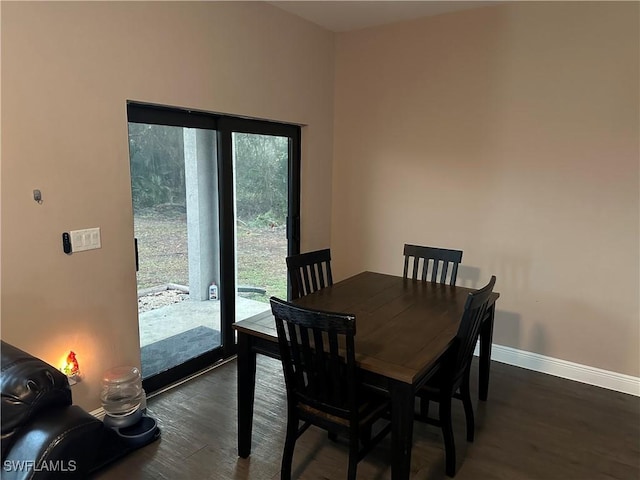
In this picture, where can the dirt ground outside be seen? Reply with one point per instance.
(163, 256)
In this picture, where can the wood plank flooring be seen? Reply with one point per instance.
(534, 426)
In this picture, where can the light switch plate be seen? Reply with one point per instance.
(87, 239)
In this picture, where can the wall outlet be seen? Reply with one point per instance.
(87, 239)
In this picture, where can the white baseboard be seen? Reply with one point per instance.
(564, 369)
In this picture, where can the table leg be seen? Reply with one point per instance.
(486, 339)
(402, 406)
(246, 393)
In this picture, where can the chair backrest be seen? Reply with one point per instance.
(309, 272)
(441, 262)
(465, 342)
(318, 356)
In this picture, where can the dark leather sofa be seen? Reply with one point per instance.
(44, 436)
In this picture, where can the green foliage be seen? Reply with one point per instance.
(267, 219)
(261, 168)
(157, 165)
(261, 165)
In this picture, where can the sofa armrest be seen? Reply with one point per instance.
(28, 386)
(62, 442)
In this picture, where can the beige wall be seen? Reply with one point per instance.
(67, 71)
(511, 133)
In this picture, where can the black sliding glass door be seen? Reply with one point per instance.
(216, 210)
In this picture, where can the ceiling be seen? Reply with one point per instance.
(342, 16)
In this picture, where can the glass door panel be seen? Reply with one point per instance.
(174, 188)
(261, 172)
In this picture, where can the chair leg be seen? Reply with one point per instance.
(468, 409)
(289, 444)
(354, 447)
(447, 433)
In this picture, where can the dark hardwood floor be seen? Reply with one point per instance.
(534, 426)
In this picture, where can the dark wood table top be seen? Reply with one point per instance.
(403, 325)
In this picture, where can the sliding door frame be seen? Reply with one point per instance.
(224, 126)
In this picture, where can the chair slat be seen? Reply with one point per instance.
(319, 365)
(443, 272)
(295, 353)
(415, 267)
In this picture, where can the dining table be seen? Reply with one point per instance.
(403, 327)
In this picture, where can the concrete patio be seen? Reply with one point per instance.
(170, 320)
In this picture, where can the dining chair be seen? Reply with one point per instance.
(309, 272)
(436, 260)
(322, 381)
(450, 378)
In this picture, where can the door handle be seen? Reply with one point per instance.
(135, 246)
